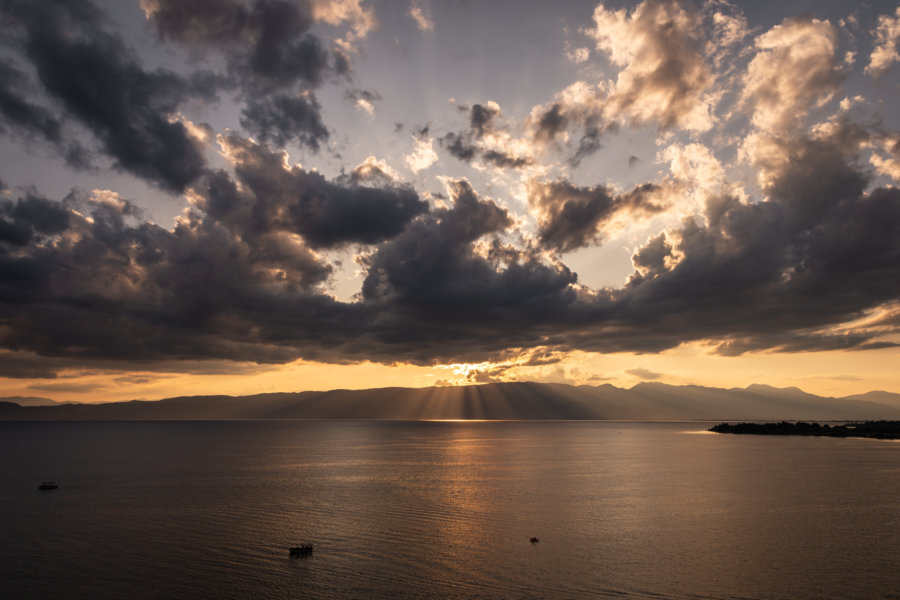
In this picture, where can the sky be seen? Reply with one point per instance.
(246, 196)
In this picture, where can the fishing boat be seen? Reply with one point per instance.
(48, 485)
(301, 550)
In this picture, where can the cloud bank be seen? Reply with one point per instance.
(776, 214)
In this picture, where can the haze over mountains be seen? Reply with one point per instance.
(514, 400)
(29, 400)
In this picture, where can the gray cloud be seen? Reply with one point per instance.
(18, 111)
(469, 145)
(271, 56)
(281, 118)
(570, 217)
(16, 366)
(583, 117)
(28, 216)
(430, 284)
(103, 289)
(244, 274)
(266, 41)
(551, 123)
(67, 387)
(294, 200)
(481, 119)
(237, 279)
(99, 81)
(769, 275)
(456, 145)
(645, 374)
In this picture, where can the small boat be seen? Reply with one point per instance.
(48, 485)
(534, 540)
(301, 550)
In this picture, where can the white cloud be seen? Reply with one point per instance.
(373, 170)
(794, 70)
(108, 197)
(578, 55)
(887, 37)
(365, 105)
(418, 15)
(422, 156)
(362, 19)
(886, 160)
(665, 77)
(698, 173)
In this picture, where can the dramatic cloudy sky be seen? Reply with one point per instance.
(237, 196)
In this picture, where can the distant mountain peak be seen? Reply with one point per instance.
(29, 400)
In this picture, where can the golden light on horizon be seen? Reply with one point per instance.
(835, 373)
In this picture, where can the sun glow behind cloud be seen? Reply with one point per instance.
(662, 191)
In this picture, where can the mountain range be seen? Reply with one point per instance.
(510, 400)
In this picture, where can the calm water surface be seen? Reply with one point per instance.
(444, 510)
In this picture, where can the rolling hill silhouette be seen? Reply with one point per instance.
(514, 400)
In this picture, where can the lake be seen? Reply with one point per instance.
(443, 510)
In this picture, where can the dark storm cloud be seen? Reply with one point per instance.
(109, 287)
(292, 199)
(17, 366)
(25, 117)
(277, 64)
(571, 217)
(266, 41)
(104, 289)
(281, 118)
(199, 21)
(29, 216)
(100, 82)
(88, 281)
(16, 110)
(271, 56)
(439, 298)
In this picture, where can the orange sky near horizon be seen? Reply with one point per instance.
(836, 373)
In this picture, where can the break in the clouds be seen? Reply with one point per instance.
(762, 215)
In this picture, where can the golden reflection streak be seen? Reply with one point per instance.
(463, 420)
(460, 492)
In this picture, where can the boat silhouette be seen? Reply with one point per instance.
(301, 550)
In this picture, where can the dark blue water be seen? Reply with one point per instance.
(443, 510)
